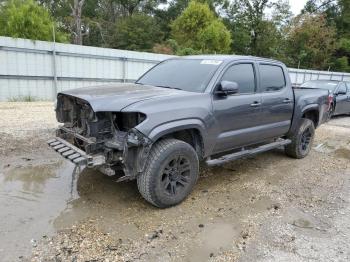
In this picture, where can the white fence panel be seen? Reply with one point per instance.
(29, 68)
(299, 76)
(40, 69)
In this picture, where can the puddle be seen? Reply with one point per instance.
(337, 147)
(39, 200)
(31, 197)
(343, 153)
(115, 204)
(215, 238)
(326, 147)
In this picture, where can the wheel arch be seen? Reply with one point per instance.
(312, 113)
(191, 131)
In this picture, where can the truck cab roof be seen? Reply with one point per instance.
(229, 58)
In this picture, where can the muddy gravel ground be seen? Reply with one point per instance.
(265, 208)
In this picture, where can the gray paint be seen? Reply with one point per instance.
(342, 101)
(223, 122)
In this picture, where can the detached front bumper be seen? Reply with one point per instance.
(74, 154)
(128, 151)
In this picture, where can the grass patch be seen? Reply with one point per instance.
(27, 98)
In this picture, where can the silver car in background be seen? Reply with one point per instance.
(339, 94)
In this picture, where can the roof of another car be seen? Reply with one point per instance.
(230, 58)
(324, 80)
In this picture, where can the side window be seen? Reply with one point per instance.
(272, 78)
(243, 75)
(342, 88)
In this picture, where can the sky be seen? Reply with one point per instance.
(297, 5)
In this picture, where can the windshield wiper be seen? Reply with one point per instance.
(169, 87)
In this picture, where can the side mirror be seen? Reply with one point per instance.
(227, 88)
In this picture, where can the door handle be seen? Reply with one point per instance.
(287, 100)
(255, 104)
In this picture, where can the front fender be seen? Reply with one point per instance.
(178, 125)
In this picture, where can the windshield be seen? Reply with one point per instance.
(329, 85)
(185, 74)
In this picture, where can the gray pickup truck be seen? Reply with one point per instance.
(183, 111)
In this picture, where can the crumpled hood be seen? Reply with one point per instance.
(115, 97)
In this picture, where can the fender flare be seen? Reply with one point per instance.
(310, 107)
(298, 115)
(178, 125)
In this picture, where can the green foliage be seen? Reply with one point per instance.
(342, 64)
(311, 42)
(344, 46)
(254, 33)
(136, 32)
(169, 47)
(317, 39)
(188, 51)
(199, 29)
(214, 38)
(26, 19)
(337, 14)
(187, 27)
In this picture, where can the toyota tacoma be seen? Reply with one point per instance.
(183, 112)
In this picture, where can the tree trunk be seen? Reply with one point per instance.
(77, 25)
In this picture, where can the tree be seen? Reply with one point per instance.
(77, 33)
(337, 14)
(255, 33)
(310, 41)
(343, 22)
(27, 19)
(79, 18)
(137, 32)
(199, 29)
(92, 22)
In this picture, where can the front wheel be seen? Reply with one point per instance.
(301, 140)
(170, 173)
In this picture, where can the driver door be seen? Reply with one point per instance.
(238, 115)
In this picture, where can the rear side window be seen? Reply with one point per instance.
(243, 75)
(272, 78)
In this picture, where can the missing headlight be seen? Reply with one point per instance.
(127, 120)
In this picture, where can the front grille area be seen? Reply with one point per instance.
(83, 127)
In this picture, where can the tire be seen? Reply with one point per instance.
(170, 174)
(301, 140)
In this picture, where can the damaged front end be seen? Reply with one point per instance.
(107, 141)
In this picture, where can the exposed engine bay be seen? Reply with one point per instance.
(109, 138)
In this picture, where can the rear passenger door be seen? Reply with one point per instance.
(277, 100)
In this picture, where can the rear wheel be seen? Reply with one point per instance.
(170, 173)
(301, 140)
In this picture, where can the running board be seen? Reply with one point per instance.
(247, 152)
